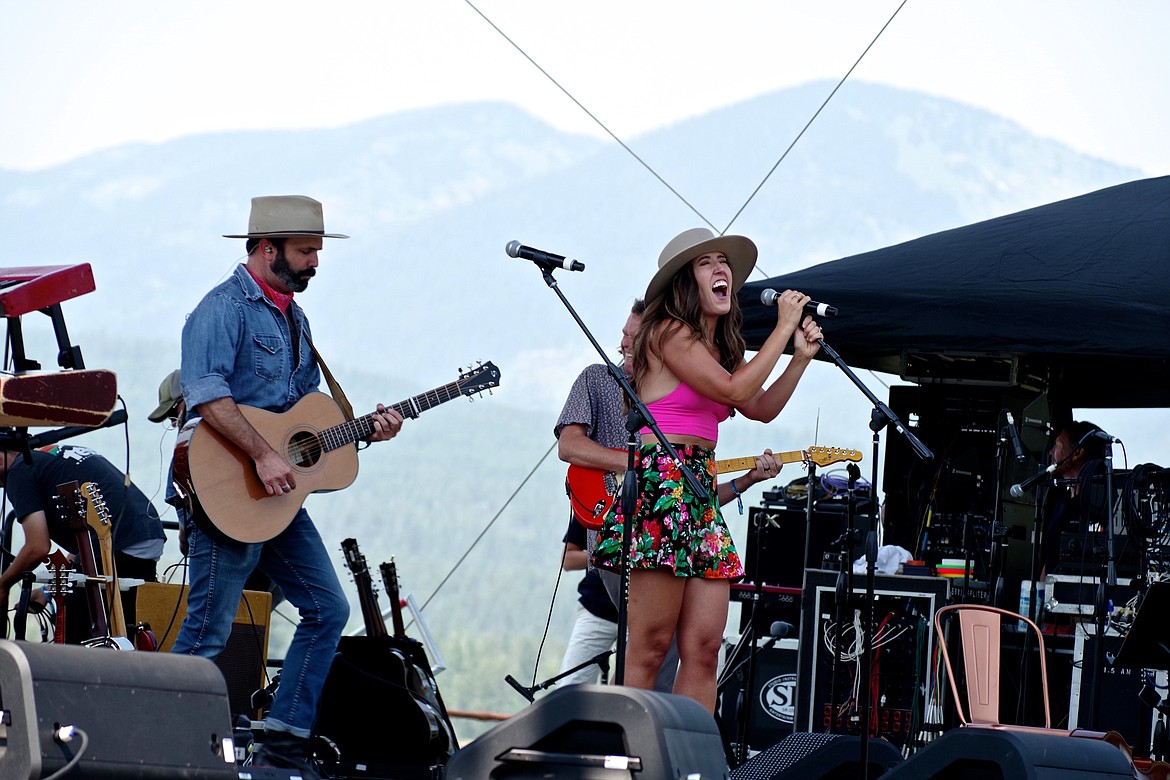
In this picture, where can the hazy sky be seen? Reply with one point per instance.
(79, 76)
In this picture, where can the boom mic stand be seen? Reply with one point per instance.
(601, 660)
(880, 417)
(845, 544)
(639, 417)
(1107, 584)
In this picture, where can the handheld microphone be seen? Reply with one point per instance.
(768, 298)
(1018, 490)
(544, 259)
(1014, 435)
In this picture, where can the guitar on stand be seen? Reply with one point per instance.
(422, 681)
(97, 515)
(405, 733)
(73, 506)
(58, 589)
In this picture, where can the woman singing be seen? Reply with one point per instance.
(689, 369)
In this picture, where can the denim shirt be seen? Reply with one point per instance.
(237, 344)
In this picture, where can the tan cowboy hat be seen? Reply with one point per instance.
(169, 396)
(278, 216)
(686, 246)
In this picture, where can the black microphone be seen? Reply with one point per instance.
(1014, 435)
(768, 297)
(525, 692)
(1100, 434)
(779, 630)
(544, 259)
(1018, 491)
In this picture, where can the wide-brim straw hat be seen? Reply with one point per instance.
(280, 216)
(740, 252)
(169, 396)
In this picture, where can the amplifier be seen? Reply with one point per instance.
(243, 661)
(1074, 594)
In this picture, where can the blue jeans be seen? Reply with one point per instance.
(295, 560)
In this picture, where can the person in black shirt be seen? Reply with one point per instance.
(1072, 448)
(31, 488)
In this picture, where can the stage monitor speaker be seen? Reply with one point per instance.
(137, 715)
(805, 756)
(243, 660)
(1000, 754)
(599, 732)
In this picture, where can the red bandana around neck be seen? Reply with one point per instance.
(279, 299)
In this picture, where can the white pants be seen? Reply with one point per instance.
(591, 635)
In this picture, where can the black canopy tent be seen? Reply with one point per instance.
(1071, 298)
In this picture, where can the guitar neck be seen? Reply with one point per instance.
(375, 625)
(362, 427)
(72, 504)
(749, 463)
(97, 516)
(390, 580)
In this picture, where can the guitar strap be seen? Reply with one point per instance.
(334, 388)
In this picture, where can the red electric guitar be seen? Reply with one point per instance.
(592, 492)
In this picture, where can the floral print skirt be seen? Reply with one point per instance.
(671, 528)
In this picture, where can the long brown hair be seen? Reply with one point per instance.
(681, 307)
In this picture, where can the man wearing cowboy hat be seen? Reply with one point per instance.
(248, 342)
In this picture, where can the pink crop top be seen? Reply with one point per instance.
(685, 412)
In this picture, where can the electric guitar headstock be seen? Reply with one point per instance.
(827, 456)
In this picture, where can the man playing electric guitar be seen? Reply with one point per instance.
(248, 343)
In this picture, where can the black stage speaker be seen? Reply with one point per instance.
(138, 715)
(805, 756)
(598, 732)
(381, 709)
(995, 754)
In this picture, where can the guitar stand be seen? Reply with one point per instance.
(601, 659)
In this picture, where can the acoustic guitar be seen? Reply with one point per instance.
(592, 492)
(230, 502)
(420, 719)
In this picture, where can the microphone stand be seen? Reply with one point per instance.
(601, 659)
(1107, 584)
(880, 417)
(842, 595)
(639, 417)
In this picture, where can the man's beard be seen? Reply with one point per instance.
(284, 272)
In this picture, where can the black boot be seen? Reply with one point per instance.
(286, 751)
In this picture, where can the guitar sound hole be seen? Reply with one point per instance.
(304, 450)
